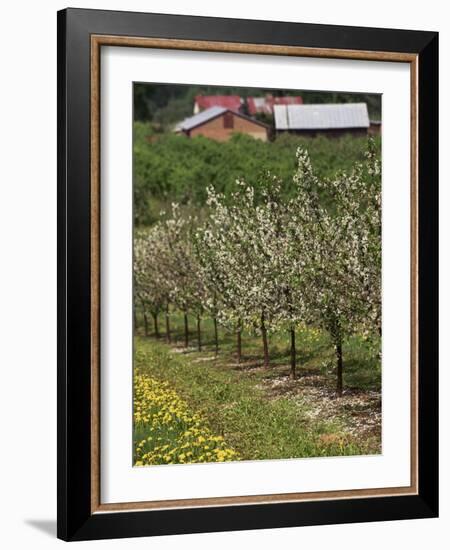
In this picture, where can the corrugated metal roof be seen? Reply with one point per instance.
(288, 100)
(200, 118)
(232, 102)
(258, 105)
(266, 104)
(321, 116)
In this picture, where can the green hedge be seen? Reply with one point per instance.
(175, 168)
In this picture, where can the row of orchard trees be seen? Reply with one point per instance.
(263, 262)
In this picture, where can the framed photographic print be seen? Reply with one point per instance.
(247, 249)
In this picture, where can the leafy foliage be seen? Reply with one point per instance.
(173, 168)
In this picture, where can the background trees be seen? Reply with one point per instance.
(164, 104)
(175, 169)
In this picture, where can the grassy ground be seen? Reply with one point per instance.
(254, 412)
(315, 354)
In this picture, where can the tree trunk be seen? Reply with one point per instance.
(239, 344)
(216, 338)
(293, 355)
(264, 339)
(186, 330)
(155, 324)
(380, 352)
(168, 335)
(145, 322)
(199, 333)
(339, 367)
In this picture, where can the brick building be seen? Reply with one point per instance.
(219, 123)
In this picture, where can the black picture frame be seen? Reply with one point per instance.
(75, 518)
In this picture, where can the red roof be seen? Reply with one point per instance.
(232, 102)
(265, 104)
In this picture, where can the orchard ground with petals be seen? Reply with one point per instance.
(194, 407)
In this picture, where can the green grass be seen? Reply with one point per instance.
(315, 353)
(255, 422)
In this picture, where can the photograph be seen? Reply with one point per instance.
(247, 273)
(257, 274)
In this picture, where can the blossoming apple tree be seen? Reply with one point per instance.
(266, 262)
